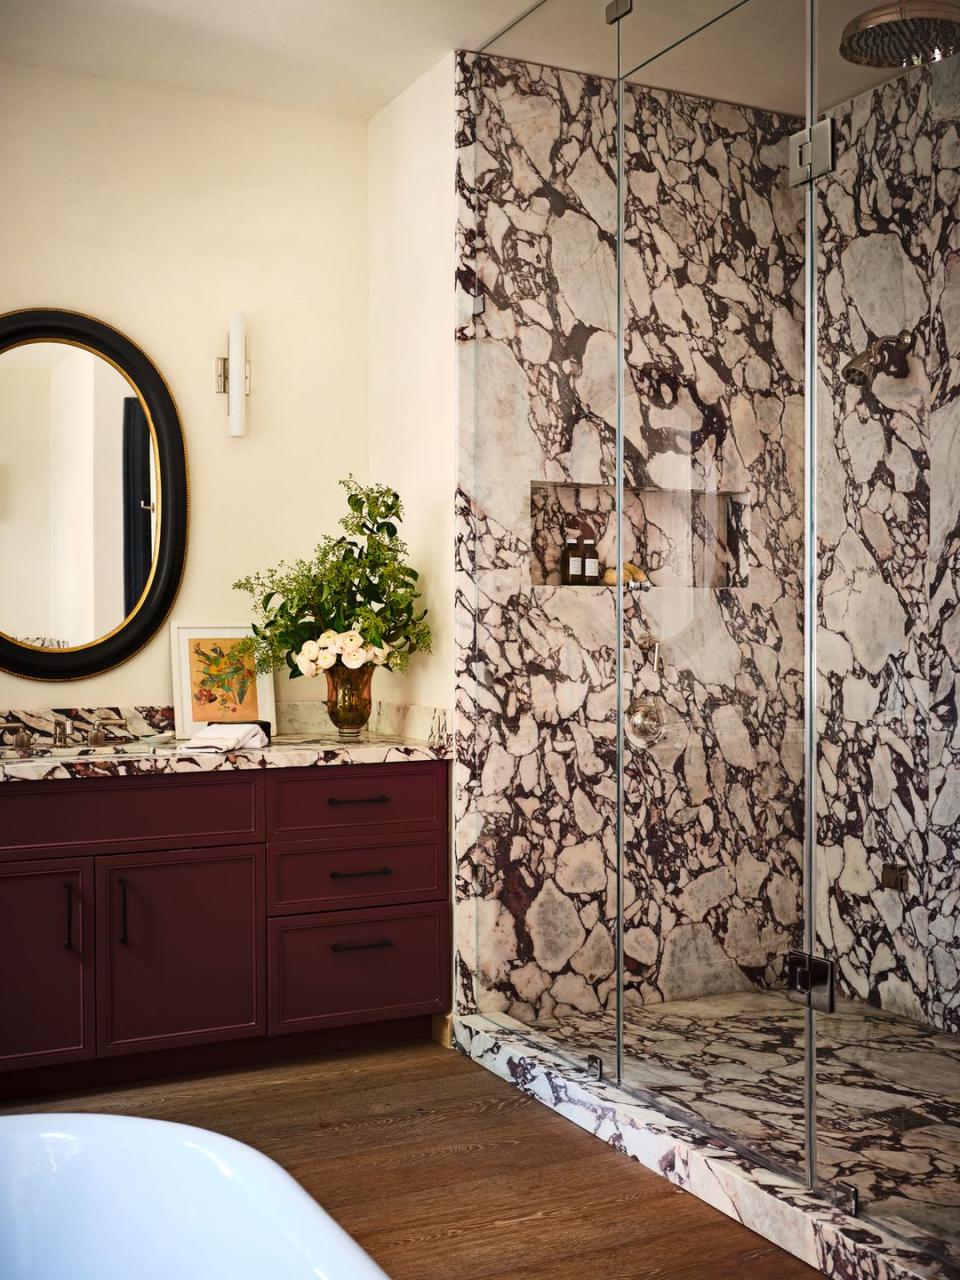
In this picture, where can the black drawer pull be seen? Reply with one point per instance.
(360, 946)
(360, 875)
(333, 800)
(122, 881)
(68, 937)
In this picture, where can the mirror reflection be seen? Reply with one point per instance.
(78, 496)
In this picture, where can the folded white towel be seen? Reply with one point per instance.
(226, 737)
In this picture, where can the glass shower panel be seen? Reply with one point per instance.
(713, 536)
(538, 767)
(887, 867)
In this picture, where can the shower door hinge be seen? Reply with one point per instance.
(618, 9)
(811, 153)
(847, 1198)
(810, 981)
(479, 303)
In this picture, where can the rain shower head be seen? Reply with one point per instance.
(909, 34)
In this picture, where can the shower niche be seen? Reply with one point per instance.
(678, 537)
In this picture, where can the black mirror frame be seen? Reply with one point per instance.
(48, 325)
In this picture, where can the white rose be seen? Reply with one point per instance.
(355, 659)
(328, 640)
(350, 642)
(308, 667)
(310, 651)
(378, 655)
(326, 659)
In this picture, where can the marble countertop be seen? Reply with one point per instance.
(163, 754)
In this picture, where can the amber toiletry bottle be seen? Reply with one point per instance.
(571, 561)
(591, 561)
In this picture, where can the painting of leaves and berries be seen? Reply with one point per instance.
(215, 678)
(223, 681)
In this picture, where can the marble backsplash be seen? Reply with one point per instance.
(403, 721)
(139, 722)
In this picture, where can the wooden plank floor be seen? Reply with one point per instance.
(439, 1169)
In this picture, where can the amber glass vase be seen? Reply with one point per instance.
(348, 698)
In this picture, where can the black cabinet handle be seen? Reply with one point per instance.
(68, 935)
(360, 875)
(122, 881)
(360, 946)
(333, 800)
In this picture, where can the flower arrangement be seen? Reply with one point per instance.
(351, 607)
(346, 647)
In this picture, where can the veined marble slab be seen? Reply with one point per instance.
(135, 761)
(146, 745)
(773, 1205)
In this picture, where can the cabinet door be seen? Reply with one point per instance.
(46, 962)
(180, 948)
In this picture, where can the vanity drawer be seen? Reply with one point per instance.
(333, 800)
(346, 967)
(120, 815)
(309, 876)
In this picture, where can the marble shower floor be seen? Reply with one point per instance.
(888, 1094)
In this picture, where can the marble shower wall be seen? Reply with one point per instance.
(889, 512)
(713, 405)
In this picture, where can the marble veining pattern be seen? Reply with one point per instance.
(888, 1094)
(146, 747)
(889, 516)
(771, 1203)
(712, 835)
(713, 812)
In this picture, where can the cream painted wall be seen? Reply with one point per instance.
(412, 389)
(160, 212)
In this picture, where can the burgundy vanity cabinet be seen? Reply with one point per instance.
(147, 921)
(46, 962)
(180, 955)
(372, 837)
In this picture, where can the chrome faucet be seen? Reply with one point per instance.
(61, 731)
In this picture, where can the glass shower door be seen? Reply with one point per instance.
(713, 405)
(888, 640)
(538, 767)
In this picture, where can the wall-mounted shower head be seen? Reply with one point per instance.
(885, 355)
(909, 34)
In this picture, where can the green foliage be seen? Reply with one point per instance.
(360, 580)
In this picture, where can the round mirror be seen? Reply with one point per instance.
(93, 496)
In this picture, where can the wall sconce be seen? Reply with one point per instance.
(233, 375)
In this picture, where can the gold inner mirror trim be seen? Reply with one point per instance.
(82, 346)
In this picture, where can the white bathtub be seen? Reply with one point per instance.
(88, 1197)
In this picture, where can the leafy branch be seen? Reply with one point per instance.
(359, 581)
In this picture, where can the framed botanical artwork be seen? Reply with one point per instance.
(213, 682)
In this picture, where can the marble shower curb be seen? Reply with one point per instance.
(838, 1245)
